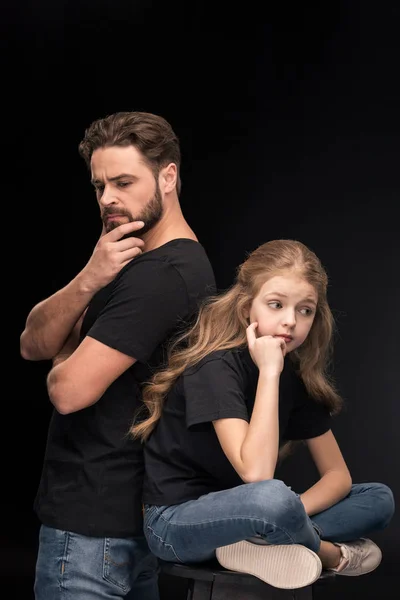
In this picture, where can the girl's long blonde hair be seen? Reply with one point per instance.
(221, 324)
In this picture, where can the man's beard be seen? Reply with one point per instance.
(150, 215)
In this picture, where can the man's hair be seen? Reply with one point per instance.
(150, 134)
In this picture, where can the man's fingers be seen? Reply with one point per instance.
(121, 230)
(127, 243)
(129, 255)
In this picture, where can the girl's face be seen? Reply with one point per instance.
(285, 307)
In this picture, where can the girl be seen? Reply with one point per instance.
(246, 380)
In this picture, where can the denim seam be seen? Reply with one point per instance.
(317, 528)
(164, 543)
(64, 560)
(107, 561)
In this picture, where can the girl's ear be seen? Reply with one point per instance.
(246, 313)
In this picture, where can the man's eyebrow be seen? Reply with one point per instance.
(116, 178)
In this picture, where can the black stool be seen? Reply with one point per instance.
(210, 581)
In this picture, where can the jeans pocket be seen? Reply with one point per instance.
(119, 560)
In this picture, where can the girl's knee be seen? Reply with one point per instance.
(274, 498)
(383, 503)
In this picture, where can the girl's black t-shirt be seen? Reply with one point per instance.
(183, 457)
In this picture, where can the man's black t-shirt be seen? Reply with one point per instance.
(91, 481)
(183, 457)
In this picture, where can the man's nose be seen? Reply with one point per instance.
(107, 197)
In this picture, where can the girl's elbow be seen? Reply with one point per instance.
(256, 476)
(348, 482)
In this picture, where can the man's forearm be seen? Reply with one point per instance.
(70, 345)
(51, 321)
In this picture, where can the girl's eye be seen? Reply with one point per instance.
(275, 304)
(306, 312)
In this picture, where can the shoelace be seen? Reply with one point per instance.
(355, 554)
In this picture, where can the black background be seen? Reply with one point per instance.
(288, 116)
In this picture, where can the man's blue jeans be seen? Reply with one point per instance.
(190, 532)
(75, 567)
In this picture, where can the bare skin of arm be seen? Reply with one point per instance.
(335, 479)
(51, 321)
(334, 484)
(80, 379)
(71, 343)
(252, 448)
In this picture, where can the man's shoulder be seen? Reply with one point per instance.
(174, 247)
(176, 263)
(179, 253)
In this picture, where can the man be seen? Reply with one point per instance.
(105, 332)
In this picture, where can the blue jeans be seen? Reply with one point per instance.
(190, 532)
(75, 567)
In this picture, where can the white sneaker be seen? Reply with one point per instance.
(288, 567)
(358, 558)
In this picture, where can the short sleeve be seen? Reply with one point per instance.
(309, 418)
(212, 391)
(145, 304)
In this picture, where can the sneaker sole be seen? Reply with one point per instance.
(285, 566)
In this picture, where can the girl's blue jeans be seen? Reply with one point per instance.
(191, 532)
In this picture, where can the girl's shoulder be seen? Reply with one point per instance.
(237, 359)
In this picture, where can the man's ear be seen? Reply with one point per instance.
(169, 175)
